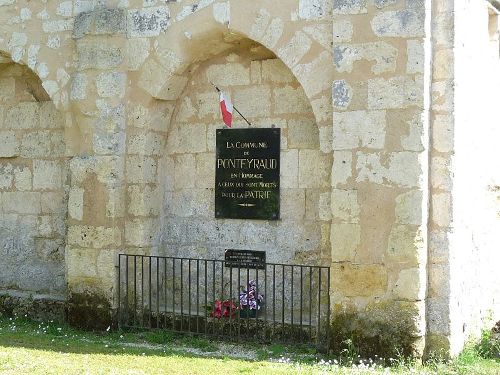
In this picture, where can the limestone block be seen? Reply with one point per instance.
(295, 49)
(438, 316)
(396, 92)
(441, 174)
(273, 33)
(207, 104)
(115, 205)
(9, 144)
(341, 94)
(50, 117)
(152, 77)
(303, 134)
(345, 206)
(75, 203)
(443, 64)
(144, 200)
(341, 168)
(22, 179)
(111, 84)
(98, 54)
(21, 202)
(22, 116)
(383, 54)
(141, 169)
(273, 70)
(185, 171)
(405, 245)
(315, 9)
(172, 88)
(349, 6)
(289, 166)
(408, 285)
(342, 31)
(7, 89)
(439, 245)
(108, 142)
(443, 96)
(186, 110)
(369, 168)
(359, 129)
(260, 25)
(229, 74)
(292, 204)
(148, 22)
(93, 237)
(137, 52)
(416, 57)
(259, 105)
(205, 171)
(359, 280)
(290, 100)
(407, 23)
(47, 175)
(324, 207)
(413, 141)
(296, 236)
(405, 169)
(441, 209)
(325, 139)
(384, 3)
(6, 176)
(321, 33)
(147, 143)
(53, 202)
(187, 138)
(110, 21)
(314, 169)
(36, 144)
(193, 202)
(81, 262)
(443, 133)
(409, 208)
(439, 280)
(308, 74)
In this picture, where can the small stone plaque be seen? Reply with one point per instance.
(245, 259)
(247, 174)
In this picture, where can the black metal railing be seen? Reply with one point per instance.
(272, 303)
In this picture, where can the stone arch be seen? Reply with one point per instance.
(214, 29)
(268, 93)
(33, 170)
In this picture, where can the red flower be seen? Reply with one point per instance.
(224, 309)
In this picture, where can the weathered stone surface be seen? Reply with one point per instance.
(406, 23)
(47, 175)
(141, 169)
(21, 202)
(98, 54)
(343, 31)
(289, 169)
(315, 9)
(441, 209)
(230, 74)
(357, 280)
(441, 173)
(143, 200)
(110, 84)
(409, 208)
(303, 134)
(397, 92)
(405, 245)
(22, 116)
(342, 167)
(345, 206)
(408, 285)
(75, 203)
(359, 129)
(9, 144)
(384, 55)
(295, 49)
(349, 6)
(308, 74)
(93, 237)
(148, 143)
(314, 169)
(416, 58)
(259, 106)
(443, 133)
(273, 70)
(290, 100)
(148, 22)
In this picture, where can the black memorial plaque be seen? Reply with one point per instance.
(245, 259)
(247, 174)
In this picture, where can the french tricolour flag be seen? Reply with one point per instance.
(226, 108)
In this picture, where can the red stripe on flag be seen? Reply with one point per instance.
(226, 109)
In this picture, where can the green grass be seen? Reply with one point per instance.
(28, 347)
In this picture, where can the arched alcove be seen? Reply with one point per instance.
(268, 94)
(33, 186)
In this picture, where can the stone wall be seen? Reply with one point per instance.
(463, 277)
(33, 186)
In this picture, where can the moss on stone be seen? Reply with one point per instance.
(89, 310)
(385, 329)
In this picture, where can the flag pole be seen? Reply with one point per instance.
(236, 109)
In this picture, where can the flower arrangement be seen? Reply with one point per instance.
(250, 300)
(224, 309)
